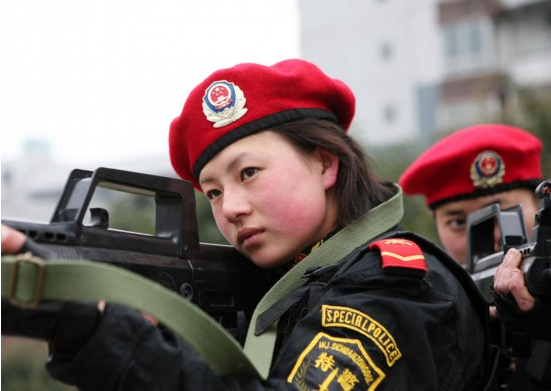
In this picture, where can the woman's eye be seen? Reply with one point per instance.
(212, 194)
(248, 172)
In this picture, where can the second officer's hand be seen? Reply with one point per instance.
(510, 279)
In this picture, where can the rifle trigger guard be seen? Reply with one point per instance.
(39, 263)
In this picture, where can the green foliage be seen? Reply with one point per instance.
(531, 111)
(133, 213)
(208, 231)
(389, 163)
(23, 369)
(137, 214)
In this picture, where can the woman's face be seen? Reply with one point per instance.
(451, 218)
(269, 200)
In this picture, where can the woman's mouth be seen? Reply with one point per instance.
(248, 236)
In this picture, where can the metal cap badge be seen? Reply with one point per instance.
(223, 103)
(487, 169)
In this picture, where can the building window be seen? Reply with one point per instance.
(468, 46)
(451, 42)
(475, 38)
(390, 114)
(386, 51)
(6, 177)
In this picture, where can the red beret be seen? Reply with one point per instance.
(476, 161)
(247, 98)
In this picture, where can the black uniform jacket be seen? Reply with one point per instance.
(359, 327)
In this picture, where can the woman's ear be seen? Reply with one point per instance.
(330, 168)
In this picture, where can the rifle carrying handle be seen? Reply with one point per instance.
(175, 215)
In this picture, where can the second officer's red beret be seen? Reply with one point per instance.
(479, 160)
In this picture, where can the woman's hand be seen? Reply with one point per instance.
(12, 240)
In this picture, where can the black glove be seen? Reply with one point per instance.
(535, 323)
(65, 325)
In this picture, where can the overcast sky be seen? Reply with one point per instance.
(101, 80)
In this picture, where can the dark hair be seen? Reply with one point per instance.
(358, 189)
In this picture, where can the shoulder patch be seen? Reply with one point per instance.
(333, 363)
(400, 253)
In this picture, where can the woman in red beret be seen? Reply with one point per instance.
(472, 168)
(373, 307)
(464, 172)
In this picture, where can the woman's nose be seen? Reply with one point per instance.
(235, 204)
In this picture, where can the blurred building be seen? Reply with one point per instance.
(388, 52)
(491, 48)
(422, 66)
(32, 185)
(416, 67)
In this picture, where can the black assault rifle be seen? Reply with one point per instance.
(215, 277)
(482, 258)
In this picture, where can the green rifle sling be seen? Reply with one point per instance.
(77, 280)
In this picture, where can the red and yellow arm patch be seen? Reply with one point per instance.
(400, 253)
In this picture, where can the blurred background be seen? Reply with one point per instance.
(96, 84)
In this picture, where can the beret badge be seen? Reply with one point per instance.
(223, 103)
(487, 169)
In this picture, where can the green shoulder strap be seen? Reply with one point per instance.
(26, 280)
(259, 348)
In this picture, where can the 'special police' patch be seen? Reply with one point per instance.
(335, 364)
(350, 318)
(487, 169)
(223, 103)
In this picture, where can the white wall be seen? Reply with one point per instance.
(348, 40)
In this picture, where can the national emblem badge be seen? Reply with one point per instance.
(223, 103)
(487, 169)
